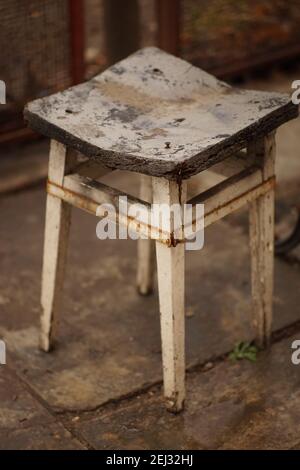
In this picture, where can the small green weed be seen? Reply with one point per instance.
(244, 350)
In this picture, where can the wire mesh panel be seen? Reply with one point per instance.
(227, 35)
(35, 52)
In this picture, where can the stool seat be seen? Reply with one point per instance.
(157, 114)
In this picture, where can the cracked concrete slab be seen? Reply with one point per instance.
(25, 423)
(109, 341)
(235, 405)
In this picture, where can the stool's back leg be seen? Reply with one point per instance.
(145, 255)
(58, 216)
(170, 271)
(262, 243)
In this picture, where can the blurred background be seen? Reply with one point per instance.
(49, 45)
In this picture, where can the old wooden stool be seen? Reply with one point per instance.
(157, 115)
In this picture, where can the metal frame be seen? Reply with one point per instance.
(168, 17)
(229, 195)
(76, 9)
(77, 68)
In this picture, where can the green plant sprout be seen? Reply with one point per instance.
(244, 350)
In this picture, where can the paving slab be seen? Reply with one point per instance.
(25, 423)
(235, 405)
(109, 341)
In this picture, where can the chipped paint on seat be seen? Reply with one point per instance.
(159, 115)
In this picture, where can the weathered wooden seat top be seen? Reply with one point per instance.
(157, 114)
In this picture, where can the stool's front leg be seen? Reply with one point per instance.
(145, 256)
(58, 216)
(170, 270)
(262, 243)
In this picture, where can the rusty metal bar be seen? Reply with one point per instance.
(168, 16)
(235, 68)
(230, 187)
(121, 28)
(221, 210)
(76, 11)
(88, 195)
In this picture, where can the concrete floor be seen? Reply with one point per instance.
(101, 386)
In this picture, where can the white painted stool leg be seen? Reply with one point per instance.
(58, 216)
(145, 255)
(170, 271)
(262, 244)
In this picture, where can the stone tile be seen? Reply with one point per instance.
(25, 423)
(52, 437)
(239, 405)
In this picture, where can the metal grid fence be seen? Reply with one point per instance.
(35, 52)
